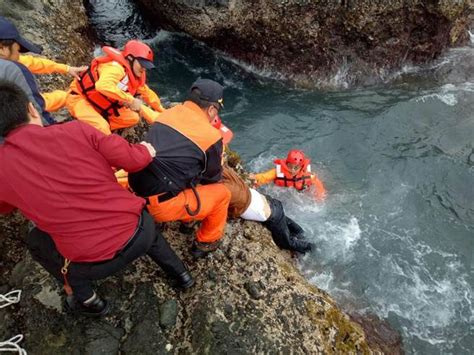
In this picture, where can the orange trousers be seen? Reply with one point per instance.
(82, 110)
(214, 204)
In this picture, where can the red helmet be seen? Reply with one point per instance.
(139, 50)
(295, 157)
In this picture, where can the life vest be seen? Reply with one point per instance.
(284, 178)
(129, 83)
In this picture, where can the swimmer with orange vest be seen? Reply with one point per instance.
(294, 171)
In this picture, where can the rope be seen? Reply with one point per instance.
(11, 344)
(9, 298)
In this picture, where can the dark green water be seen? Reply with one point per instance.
(396, 235)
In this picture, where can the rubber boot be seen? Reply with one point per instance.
(97, 307)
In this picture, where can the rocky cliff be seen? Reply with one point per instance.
(322, 43)
(249, 297)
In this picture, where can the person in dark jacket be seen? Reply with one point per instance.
(77, 237)
(183, 181)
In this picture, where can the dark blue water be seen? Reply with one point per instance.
(396, 234)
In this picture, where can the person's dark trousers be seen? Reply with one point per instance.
(146, 240)
(282, 227)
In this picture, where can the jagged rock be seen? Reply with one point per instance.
(315, 42)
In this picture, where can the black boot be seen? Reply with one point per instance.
(200, 250)
(97, 307)
(184, 280)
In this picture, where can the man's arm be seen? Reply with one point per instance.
(110, 75)
(151, 98)
(40, 65)
(213, 172)
(265, 177)
(117, 151)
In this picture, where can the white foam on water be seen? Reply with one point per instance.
(448, 93)
(430, 303)
(471, 36)
(263, 72)
(163, 36)
(448, 99)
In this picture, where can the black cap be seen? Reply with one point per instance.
(9, 31)
(145, 63)
(210, 90)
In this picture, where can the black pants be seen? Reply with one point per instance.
(145, 241)
(286, 233)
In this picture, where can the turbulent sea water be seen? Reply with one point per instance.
(396, 235)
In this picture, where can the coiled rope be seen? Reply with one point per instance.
(11, 344)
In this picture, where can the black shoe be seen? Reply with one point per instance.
(198, 253)
(200, 250)
(98, 307)
(186, 228)
(184, 280)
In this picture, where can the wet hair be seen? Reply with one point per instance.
(195, 96)
(7, 43)
(13, 107)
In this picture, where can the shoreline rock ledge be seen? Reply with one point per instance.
(321, 43)
(249, 296)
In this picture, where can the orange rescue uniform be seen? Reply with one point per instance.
(38, 65)
(271, 176)
(189, 152)
(110, 83)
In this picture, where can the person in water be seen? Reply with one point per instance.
(106, 95)
(77, 237)
(294, 171)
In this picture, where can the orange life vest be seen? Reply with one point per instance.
(129, 83)
(284, 178)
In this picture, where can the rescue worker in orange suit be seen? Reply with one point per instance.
(295, 172)
(106, 95)
(182, 182)
(12, 45)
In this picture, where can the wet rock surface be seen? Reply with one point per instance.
(249, 296)
(320, 42)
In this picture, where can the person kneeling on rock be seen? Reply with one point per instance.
(85, 229)
(183, 181)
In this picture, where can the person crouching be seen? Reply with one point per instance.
(85, 229)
